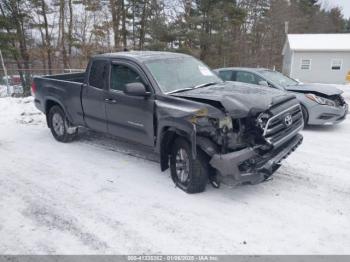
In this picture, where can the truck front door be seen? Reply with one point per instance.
(129, 117)
(93, 95)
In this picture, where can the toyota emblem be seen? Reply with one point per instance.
(288, 120)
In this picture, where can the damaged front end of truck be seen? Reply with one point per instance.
(245, 140)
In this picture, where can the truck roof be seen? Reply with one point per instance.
(142, 56)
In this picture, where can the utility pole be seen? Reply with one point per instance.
(5, 73)
(286, 27)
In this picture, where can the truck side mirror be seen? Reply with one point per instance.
(136, 89)
(263, 83)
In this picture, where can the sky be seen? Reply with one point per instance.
(344, 4)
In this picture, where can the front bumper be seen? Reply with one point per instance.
(261, 166)
(327, 115)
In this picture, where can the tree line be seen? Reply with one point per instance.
(52, 35)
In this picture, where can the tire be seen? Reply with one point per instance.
(305, 115)
(197, 169)
(59, 125)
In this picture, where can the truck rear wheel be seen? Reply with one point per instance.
(191, 175)
(59, 125)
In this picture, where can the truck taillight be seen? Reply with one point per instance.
(33, 88)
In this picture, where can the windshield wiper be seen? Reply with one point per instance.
(206, 84)
(180, 90)
(191, 88)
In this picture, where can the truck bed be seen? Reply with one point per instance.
(64, 89)
(72, 77)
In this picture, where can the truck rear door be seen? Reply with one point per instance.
(93, 95)
(129, 117)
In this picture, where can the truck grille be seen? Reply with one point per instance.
(282, 125)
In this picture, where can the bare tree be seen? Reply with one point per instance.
(115, 12)
(124, 31)
(47, 45)
(62, 40)
(70, 30)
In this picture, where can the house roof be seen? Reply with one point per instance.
(318, 42)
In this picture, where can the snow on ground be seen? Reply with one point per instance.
(102, 196)
(3, 91)
(10, 90)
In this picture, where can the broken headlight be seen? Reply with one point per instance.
(320, 100)
(262, 120)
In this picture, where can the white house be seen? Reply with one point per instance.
(318, 58)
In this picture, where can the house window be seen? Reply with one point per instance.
(305, 64)
(337, 64)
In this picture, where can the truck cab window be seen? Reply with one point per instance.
(98, 73)
(122, 75)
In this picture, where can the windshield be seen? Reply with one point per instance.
(278, 78)
(175, 74)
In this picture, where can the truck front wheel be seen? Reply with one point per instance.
(191, 175)
(59, 125)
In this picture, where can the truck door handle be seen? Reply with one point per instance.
(110, 100)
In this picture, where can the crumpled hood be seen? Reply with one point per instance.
(238, 99)
(325, 89)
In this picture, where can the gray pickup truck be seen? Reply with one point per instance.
(205, 129)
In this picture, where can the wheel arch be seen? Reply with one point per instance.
(51, 102)
(168, 136)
